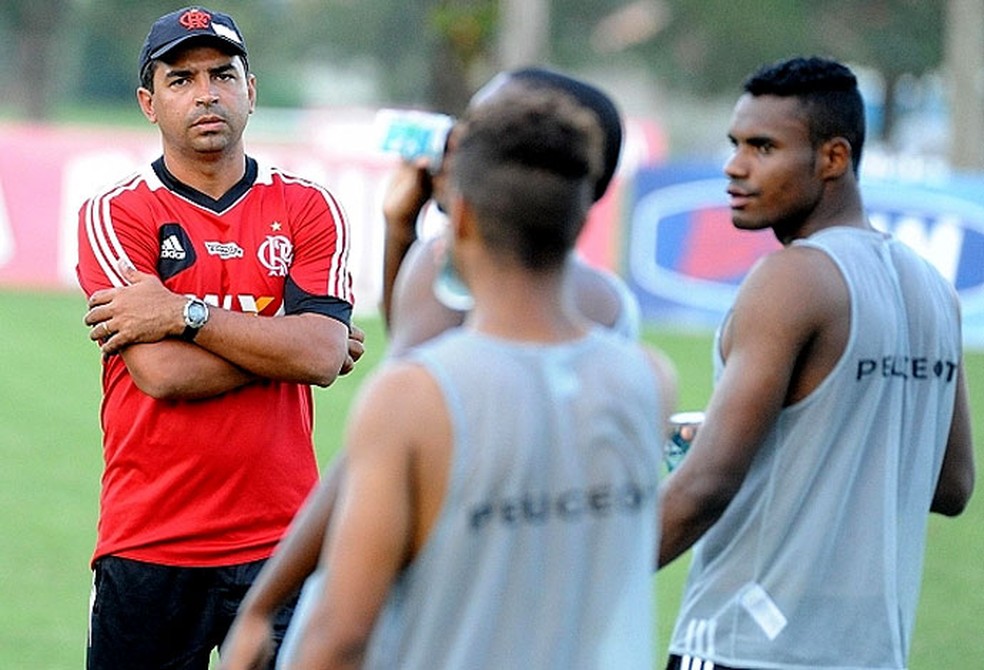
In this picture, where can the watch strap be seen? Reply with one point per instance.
(189, 333)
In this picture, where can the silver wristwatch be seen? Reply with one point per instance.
(195, 316)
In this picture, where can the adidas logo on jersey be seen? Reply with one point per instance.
(178, 252)
(171, 249)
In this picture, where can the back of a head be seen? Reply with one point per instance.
(829, 93)
(527, 163)
(594, 99)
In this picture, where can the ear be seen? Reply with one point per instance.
(461, 217)
(835, 158)
(251, 90)
(146, 101)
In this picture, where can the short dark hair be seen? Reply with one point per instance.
(829, 93)
(596, 100)
(527, 162)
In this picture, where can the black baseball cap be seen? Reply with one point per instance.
(176, 28)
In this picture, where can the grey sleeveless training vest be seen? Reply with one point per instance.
(817, 561)
(543, 553)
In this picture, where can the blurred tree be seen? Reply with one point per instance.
(34, 38)
(899, 38)
(105, 63)
(523, 32)
(965, 59)
(391, 41)
(427, 53)
(465, 36)
(435, 52)
(710, 46)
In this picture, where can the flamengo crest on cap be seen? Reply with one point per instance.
(195, 19)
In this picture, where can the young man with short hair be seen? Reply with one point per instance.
(839, 417)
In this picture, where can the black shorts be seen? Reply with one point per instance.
(145, 615)
(692, 663)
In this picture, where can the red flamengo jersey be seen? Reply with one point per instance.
(214, 481)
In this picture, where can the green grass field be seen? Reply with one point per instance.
(49, 480)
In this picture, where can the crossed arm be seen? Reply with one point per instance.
(141, 322)
(409, 189)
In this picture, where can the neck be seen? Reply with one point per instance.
(839, 205)
(515, 304)
(212, 174)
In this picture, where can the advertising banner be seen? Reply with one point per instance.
(664, 226)
(47, 172)
(684, 259)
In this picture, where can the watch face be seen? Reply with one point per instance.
(197, 313)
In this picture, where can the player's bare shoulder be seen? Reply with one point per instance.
(797, 280)
(400, 403)
(401, 421)
(788, 298)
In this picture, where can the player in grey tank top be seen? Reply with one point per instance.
(839, 417)
(498, 504)
(598, 298)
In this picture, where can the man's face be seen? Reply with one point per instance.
(773, 178)
(201, 100)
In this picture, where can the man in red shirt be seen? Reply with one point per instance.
(218, 292)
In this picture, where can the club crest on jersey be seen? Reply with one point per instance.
(276, 254)
(176, 250)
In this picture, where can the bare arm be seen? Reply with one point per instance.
(398, 450)
(956, 482)
(232, 347)
(779, 310)
(372, 529)
(416, 314)
(411, 311)
(172, 369)
(408, 191)
(249, 642)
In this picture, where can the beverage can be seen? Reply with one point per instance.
(413, 134)
(682, 430)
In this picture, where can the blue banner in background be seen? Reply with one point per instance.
(685, 260)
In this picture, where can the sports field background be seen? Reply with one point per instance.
(51, 462)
